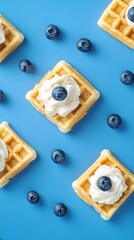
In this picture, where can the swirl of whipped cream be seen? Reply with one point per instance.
(63, 108)
(131, 24)
(2, 34)
(118, 185)
(3, 154)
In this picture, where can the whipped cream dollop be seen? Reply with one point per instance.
(64, 107)
(3, 154)
(2, 34)
(131, 24)
(118, 185)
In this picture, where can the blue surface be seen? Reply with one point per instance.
(102, 67)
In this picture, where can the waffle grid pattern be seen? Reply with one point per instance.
(82, 184)
(88, 97)
(114, 22)
(13, 38)
(19, 153)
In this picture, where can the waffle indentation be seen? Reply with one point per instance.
(119, 9)
(3, 173)
(22, 153)
(126, 1)
(13, 162)
(106, 208)
(130, 34)
(110, 19)
(85, 185)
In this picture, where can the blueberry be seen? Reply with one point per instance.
(52, 32)
(2, 95)
(114, 120)
(59, 93)
(84, 45)
(127, 77)
(33, 197)
(131, 14)
(104, 183)
(25, 66)
(60, 209)
(58, 156)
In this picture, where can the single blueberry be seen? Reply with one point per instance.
(59, 93)
(2, 95)
(52, 32)
(60, 209)
(84, 45)
(33, 197)
(104, 183)
(58, 156)
(114, 120)
(131, 14)
(25, 66)
(127, 77)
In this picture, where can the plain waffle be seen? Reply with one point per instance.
(82, 184)
(20, 154)
(88, 97)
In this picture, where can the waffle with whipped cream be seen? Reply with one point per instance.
(20, 154)
(13, 38)
(82, 185)
(87, 98)
(114, 22)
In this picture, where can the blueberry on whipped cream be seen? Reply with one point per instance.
(2, 34)
(130, 14)
(104, 183)
(3, 154)
(59, 95)
(107, 185)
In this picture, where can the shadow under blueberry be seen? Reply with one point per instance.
(5, 100)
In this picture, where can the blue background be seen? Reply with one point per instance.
(102, 67)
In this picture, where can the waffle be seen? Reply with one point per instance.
(20, 154)
(114, 22)
(88, 97)
(81, 185)
(13, 39)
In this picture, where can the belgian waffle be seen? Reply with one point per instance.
(114, 22)
(82, 185)
(13, 39)
(20, 154)
(88, 97)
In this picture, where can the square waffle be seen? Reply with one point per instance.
(20, 154)
(13, 38)
(88, 97)
(81, 185)
(114, 22)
